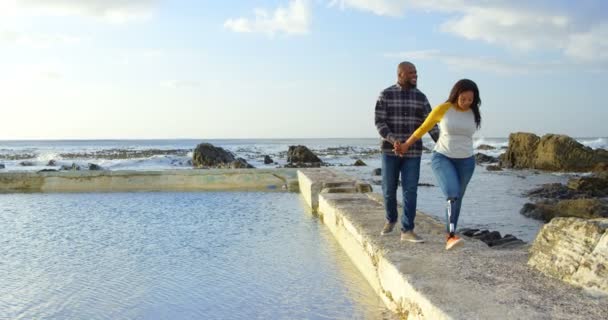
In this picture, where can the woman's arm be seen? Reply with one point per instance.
(431, 120)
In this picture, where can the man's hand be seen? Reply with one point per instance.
(397, 148)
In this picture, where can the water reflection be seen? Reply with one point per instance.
(174, 255)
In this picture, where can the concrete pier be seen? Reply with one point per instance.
(167, 180)
(424, 281)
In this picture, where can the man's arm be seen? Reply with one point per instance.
(434, 132)
(381, 114)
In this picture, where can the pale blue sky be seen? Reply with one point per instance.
(126, 69)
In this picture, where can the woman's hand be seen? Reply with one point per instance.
(403, 148)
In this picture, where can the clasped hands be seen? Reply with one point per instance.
(400, 148)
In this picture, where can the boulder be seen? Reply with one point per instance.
(483, 158)
(2, 166)
(359, 163)
(552, 152)
(94, 167)
(268, 160)
(301, 156)
(208, 156)
(377, 172)
(575, 251)
(589, 208)
(493, 168)
(485, 147)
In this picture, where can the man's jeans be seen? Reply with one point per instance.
(409, 169)
(453, 176)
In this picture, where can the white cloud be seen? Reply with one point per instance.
(589, 46)
(113, 11)
(293, 20)
(578, 32)
(481, 63)
(36, 41)
(378, 7)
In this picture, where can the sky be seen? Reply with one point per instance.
(153, 69)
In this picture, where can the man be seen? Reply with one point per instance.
(400, 109)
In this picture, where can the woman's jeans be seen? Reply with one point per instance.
(409, 169)
(453, 176)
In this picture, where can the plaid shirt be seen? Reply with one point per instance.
(399, 112)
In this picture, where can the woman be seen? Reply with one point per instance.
(453, 161)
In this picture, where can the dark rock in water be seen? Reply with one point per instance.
(301, 154)
(94, 167)
(485, 147)
(303, 165)
(47, 170)
(51, 163)
(2, 166)
(73, 167)
(268, 159)
(377, 172)
(26, 163)
(551, 191)
(359, 163)
(493, 168)
(592, 186)
(240, 163)
(551, 152)
(207, 155)
(468, 231)
(579, 208)
(533, 211)
(483, 158)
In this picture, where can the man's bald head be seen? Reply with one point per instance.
(407, 75)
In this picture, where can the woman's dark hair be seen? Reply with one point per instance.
(465, 85)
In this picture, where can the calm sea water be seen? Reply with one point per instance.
(174, 256)
(493, 199)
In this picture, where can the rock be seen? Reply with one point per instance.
(485, 147)
(51, 163)
(493, 168)
(2, 166)
(579, 208)
(359, 163)
(301, 155)
(240, 163)
(575, 251)
(551, 191)
(600, 167)
(26, 164)
(207, 155)
(377, 172)
(468, 232)
(551, 152)
(483, 158)
(73, 167)
(47, 170)
(268, 160)
(592, 186)
(94, 167)
(493, 239)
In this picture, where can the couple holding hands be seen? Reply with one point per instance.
(402, 116)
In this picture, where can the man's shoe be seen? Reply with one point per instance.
(453, 241)
(388, 228)
(411, 237)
